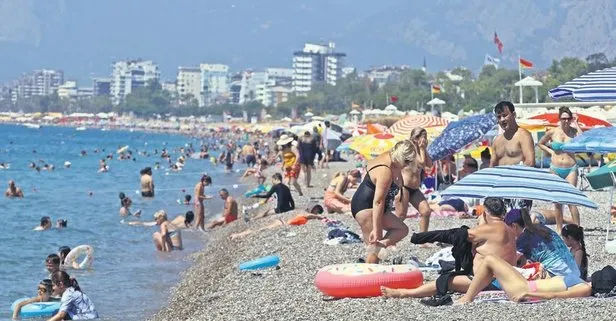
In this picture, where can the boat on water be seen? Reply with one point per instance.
(33, 126)
(80, 128)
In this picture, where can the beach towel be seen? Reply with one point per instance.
(413, 213)
(341, 236)
(441, 255)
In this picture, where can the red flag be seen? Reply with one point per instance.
(526, 63)
(394, 99)
(498, 43)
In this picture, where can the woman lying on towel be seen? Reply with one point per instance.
(334, 199)
(518, 288)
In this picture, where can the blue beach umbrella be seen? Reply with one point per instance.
(595, 86)
(461, 133)
(596, 140)
(518, 182)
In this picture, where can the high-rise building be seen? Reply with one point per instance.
(38, 83)
(188, 85)
(316, 64)
(101, 86)
(128, 75)
(214, 83)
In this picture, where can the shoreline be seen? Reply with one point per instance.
(213, 288)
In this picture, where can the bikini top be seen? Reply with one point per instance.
(557, 146)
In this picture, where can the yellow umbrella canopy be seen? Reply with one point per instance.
(373, 145)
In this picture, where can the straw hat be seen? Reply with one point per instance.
(284, 139)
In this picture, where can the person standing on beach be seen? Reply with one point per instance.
(324, 145)
(200, 196)
(147, 182)
(317, 140)
(307, 149)
(514, 146)
(413, 176)
(13, 190)
(372, 204)
(562, 163)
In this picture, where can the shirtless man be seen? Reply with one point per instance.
(491, 237)
(250, 154)
(230, 210)
(513, 147)
(147, 183)
(13, 191)
(199, 197)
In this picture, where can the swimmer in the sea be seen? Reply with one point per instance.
(125, 203)
(180, 221)
(61, 223)
(44, 225)
(102, 166)
(13, 190)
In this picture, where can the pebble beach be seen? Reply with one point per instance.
(213, 288)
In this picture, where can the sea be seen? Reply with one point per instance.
(128, 280)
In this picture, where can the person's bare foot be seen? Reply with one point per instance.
(372, 258)
(393, 293)
(427, 246)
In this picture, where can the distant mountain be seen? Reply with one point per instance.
(84, 37)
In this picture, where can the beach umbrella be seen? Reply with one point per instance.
(460, 133)
(518, 182)
(405, 126)
(585, 121)
(595, 86)
(373, 145)
(596, 140)
(346, 145)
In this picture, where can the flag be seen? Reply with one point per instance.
(489, 60)
(525, 63)
(436, 89)
(394, 99)
(498, 43)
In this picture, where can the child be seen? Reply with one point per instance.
(42, 295)
(573, 235)
(75, 305)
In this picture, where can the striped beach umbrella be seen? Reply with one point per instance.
(595, 86)
(518, 182)
(596, 140)
(405, 126)
(371, 146)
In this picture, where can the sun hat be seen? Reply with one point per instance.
(284, 139)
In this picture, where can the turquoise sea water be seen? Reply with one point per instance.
(129, 279)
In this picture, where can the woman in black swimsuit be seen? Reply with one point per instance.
(372, 203)
(413, 177)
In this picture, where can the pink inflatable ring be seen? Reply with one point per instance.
(362, 280)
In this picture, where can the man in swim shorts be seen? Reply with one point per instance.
(514, 146)
(147, 183)
(230, 211)
(13, 191)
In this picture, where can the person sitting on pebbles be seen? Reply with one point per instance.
(169, 238)
(13, 191)
(284, 199)
(334, 198)
(311, 213)
(230, 212)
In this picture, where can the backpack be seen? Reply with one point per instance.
(604, 281)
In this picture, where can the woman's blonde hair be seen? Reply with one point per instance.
(160, 214)
(417, 131)
(404, 153)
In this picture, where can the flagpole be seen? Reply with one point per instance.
(520, 75)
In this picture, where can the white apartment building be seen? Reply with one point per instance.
(384, 74)
(189, 84)
(130, 74)
(68, 90)
(214, 83)
(252, 81)
(38, 83)
(316, 64)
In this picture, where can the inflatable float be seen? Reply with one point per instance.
(260, 263)
(37, 309)
(82, 250)
(122, 149)
(363, 280)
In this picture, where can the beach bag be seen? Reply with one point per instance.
(604, 281)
